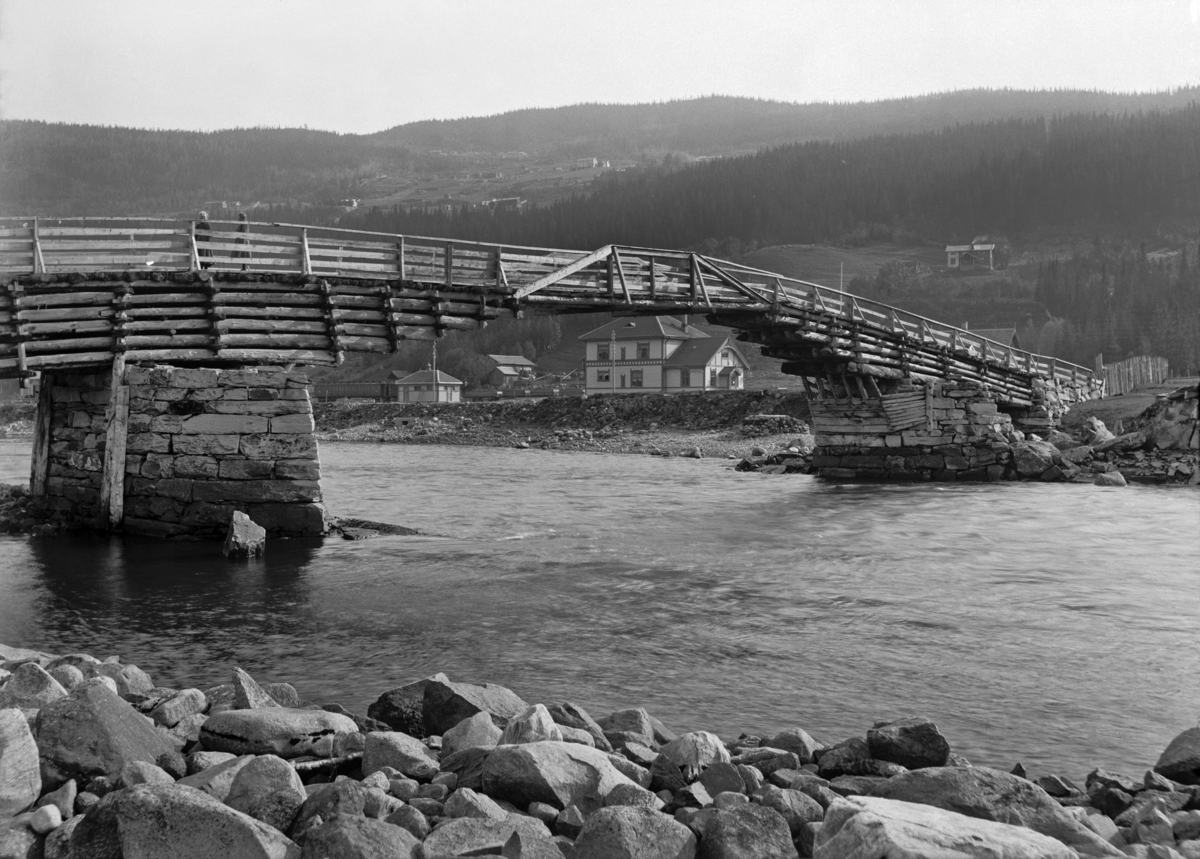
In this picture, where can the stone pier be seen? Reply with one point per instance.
(173, 452)
(930, 430)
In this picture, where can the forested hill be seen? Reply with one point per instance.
(54, 169)
(995, 177)
(721, 125)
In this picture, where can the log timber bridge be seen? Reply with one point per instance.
(97, 305)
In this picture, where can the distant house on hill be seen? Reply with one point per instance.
(978, 253)
(659, 353)
(419, 387)
(510, 369)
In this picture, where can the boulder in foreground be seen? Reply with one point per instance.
(245, 538)
(560, 774)
(274, 731)
(873, 828)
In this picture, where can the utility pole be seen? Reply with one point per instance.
(612, 357)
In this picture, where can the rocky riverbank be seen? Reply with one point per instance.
(98, 761)
(723, 425)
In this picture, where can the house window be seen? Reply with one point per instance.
(643, 351)
(712, 377)
(603, 376)
(635, 378)
(622, 353)
(602, 352)
(685, 378)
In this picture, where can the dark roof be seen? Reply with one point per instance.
(697, 353)
(512, 360)
(647, 327)
(425, 377)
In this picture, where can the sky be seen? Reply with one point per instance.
(366, 65)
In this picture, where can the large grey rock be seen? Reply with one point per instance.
(477, 836)
(1180, 761)
(849, 757)
(68, 676)
(401, 752)
(559, 774)
(350, 837)
(465, 802)
(267, 787)
(141, 772)
(175, 821)
(402, 709)
(187, 702)
(17, 840)
(912, 743)
(630, 724)
(20, 777)
(625, 832)
(531, 726)
(247, 694)
(92, 732)
(96, 834)
(743, 832)
(694, 751)
(130, 679)
(477, 732)
(274, 730)
(569, 715)
(245, 538)
(1033, 458)
(444, 703)
(989, 794)
(795, 807)
(634, 796)
(467, 765)
(217, 779)
(344, 797)
(797, 741)
(874, 828)
(30, 687)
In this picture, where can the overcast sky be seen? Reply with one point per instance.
(366, 65)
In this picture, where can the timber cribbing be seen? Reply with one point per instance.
(81, 291)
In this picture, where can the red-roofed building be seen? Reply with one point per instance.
(659, 354)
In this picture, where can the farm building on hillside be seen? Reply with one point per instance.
(978, 253)
(659, 353)
(510, 369)
(419, 387)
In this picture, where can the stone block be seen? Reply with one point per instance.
(258, 407)
(289, 519)
(99, 423)
(245, 469)
(892, 440)
(158, 465)
(158, 507)
(137, 376)
(139, 486)
(61, 394)
(232, 394)
(196, 466)
(929, 460)
(292, 424)
(94, 398)
(981, 408)
(193, 378)
(956, 463)
(166, 396)
(205, 445)
(254, 378)
(275, 446)
(224, 424)
(297, 378)
(298, 469)
(139, 423)
(204, 395)
(260, 394)
(179, 488)
(293, 394)
(133, 464)
(80, 420)
(204, 514)
(262, 491)
(148, 442)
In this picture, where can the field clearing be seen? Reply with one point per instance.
(823, 263)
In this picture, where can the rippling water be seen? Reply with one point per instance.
(1055, 625)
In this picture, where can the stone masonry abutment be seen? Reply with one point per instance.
(172, 452)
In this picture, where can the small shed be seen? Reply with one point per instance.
(419, 387)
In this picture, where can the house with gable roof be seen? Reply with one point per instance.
(419, 387)
(659, 354)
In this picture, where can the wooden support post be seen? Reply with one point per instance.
(693, 276)
(39, 467)
(653, 281)
(39, 262)
(775, 290)
(807, 388)
(616, 259)
(305, 257)
(612, 287)
(112, 485)
(929, 407)
(401, 258)
(449, 265)
(862, 389)
(195, 254)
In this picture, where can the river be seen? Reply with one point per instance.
(1057, 625)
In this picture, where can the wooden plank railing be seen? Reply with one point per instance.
(262, 292)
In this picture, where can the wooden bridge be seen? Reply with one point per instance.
(82, 291)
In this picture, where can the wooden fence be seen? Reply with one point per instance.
(1138, 372)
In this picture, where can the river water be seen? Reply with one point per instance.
(1054, 625)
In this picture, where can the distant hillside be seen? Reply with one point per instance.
(54, 169)
(722, 125)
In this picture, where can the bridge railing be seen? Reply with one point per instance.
(645, 277)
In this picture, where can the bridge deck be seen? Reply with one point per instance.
(82, 290)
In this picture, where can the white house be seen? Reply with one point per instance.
(659, 354)
(418, 387)
(979, 252)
